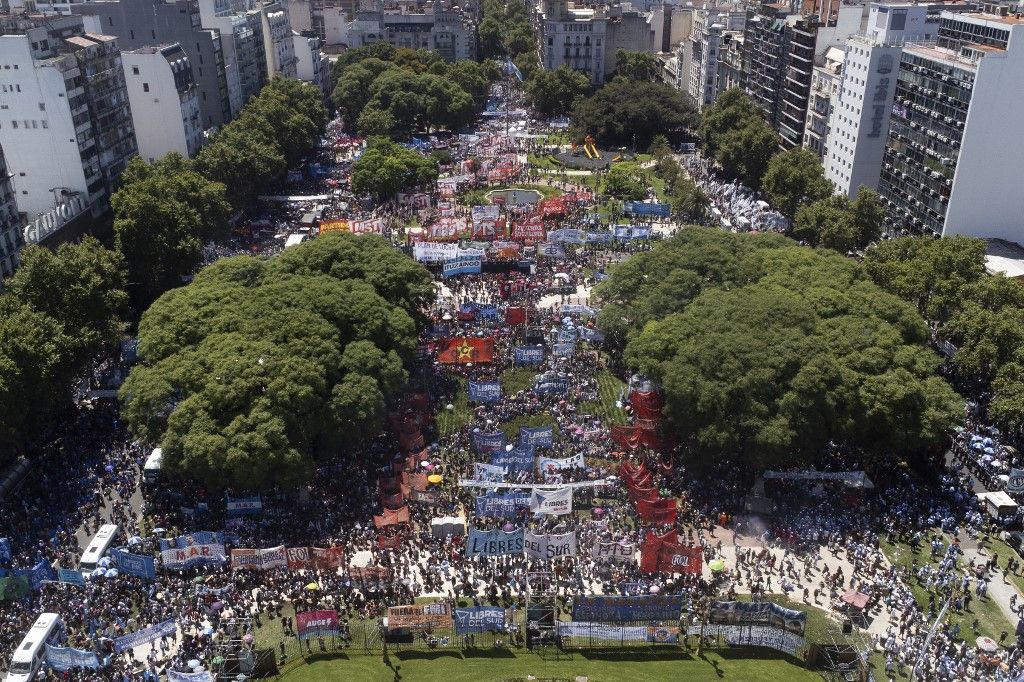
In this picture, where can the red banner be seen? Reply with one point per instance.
(641, 493)
(463, 349)
(634, 436)
(392, 517)
(552, 207)
(669, 557)
(531, 230)
(316, 624)
(515, 315)
(326, 559)
(661, 511)
(390, 541)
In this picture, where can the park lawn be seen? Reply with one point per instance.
(487, 665)
(516, 379)
(1004, 551)
(610, 387)
(450, 421)
(991, 621)
(544, 161)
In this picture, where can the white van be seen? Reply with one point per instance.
(98, 547)
(151, 469)
(30, 654)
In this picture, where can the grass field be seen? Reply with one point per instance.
(600, 666)
(991, 621)
(450, 421)
(605, 407)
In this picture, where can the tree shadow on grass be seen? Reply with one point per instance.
(413, 655)
(640, 655)
(487, 653)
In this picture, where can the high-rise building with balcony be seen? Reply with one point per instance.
(859, 122)
(824, 90)
(951, 166)
(12, 238)
(65, 121)
(713, 30)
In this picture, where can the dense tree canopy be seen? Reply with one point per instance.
(626, 113)
(636, 66)
(505, 30)
(386, 168)
(553, 93)
(163, 213)
(795, 178)
(61, 308)
(259, 366)
(840, 224)
(626, 181)
(277, 127)
(734, 133)
(771, 351)
(398, 91)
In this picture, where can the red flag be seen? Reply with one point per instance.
(515, 315)
(673, 558)
(463, 349)
(392, 517)
(636, 494)
(661, 512)
(626, 436)
(394, 501)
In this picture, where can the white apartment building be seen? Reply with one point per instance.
(824, 92)
(859, 120)
(444, 29)
(241, 40)
(278, 44)
(65, 121)
(310, 65)
(164, 100)
(712, 28)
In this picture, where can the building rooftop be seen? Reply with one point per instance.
(1011, 19)
(941, 54)
(1004, 257)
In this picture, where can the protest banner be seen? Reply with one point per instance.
(175, 676)
(557, 501)
(603, 631)
(259, 559)
(494, 542)
(36, 576)
(551, 382)
(5, 550)
(70, 576)
(758, 613)
(563, 350)
(516, 460)
(463, 349)
(480, 619)
(462, 265)
(549, 465)
(613, 551)
(660, 512)
(502, 505)
(241, 506)
(753, 635)
(420, 617)
(646, 208)
(391, 517)
(432, 252)
(316, 623)
(334, 226)
(144, 636)
(621, 609)
(485, 391)
(591, 335)
(670, 557)
(489, 472)
(485, 212)
(327, 559)
(371, 226)
(63, 659)
(1015, 482)
(423, 496)
(567, 236)
(141, 565)
(547, 547)
(577, 309)
(529, 355)
(487, 442)
(599, 237)
(537, 437)
(516, 315)
(473, 483)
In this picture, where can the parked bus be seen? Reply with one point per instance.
(98, 547)
(151, 469)
(29, 656)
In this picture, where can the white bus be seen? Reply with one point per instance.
(151, 469)
(30, 654)
(98, 547)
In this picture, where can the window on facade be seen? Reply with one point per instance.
(135, 71)
(145, 87)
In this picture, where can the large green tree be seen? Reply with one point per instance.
(386, 168)
(770, 352)
(552, 93)
(636, 66)
(840, 224)
(163, 214)
(631, 114)
(733, 132)
(795, 178)
(259, 367)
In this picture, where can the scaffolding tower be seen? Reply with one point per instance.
(542, 615)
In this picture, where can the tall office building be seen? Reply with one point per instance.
(713, 30)
(12, 238)
(143, 23)
(164, 100)
(65, 122)
(766, 45)
(825, 81)
(859, 122)
(951, 165)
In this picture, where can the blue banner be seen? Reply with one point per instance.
(563, 350)
(577, 309)
(488, 442)
(462, 265)
(502, 505)
(515, 460)
(175, 676)
(145, 635)
(645, 208)
(63, 659)
(479, 619)
(485, 391)
(134, 564)
(627, 232)
(591, 335)
(241, 506)
(494, 542)
(599, 237)
(567, 236)
(487, 311)
(36, 575)
(199, 537)
(600, 276)
(614, 609)
(548, 383)
(5, 550)
(540, 436)
(566, 334)
(71, 576)
(529, 355)
(551, 250)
